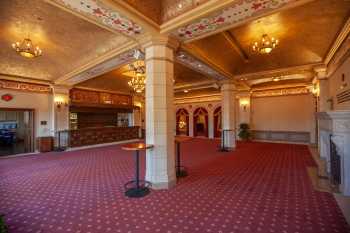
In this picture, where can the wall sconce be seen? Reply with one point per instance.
(314, 89)
(60, 101)
(344, 84)
(244, 104)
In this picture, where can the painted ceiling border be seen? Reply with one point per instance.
(98, 13)
(240, 12)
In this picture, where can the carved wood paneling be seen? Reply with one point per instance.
(92, 136)
(79, 96)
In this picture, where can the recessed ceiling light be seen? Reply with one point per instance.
(179, 5)
(276, 79)
(186, 91)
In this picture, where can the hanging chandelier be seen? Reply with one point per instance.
(266, 45)
(138, 82)
(27, 49)
(138, 68)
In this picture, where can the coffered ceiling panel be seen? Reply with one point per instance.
(67, 41)
(149, 8)
(306, 33)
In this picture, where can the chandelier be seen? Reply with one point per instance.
(27, 49)
(138, 82)
(266, 45)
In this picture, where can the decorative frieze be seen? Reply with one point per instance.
(281, 92)
(78, 96)
(96, 10)
(22, 86)
(239, 11)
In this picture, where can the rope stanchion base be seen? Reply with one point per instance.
(135, 192)
(181, 172)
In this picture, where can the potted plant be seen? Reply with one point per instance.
(244, 132)
(3, 227)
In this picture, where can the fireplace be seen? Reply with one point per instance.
(334, 147)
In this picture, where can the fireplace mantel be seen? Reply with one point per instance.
(337, 124)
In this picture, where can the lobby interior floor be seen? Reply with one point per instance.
(260, 187)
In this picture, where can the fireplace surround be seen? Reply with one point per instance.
(335, 125)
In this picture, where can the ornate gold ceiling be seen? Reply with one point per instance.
(75, 38)
(306, 33)
(67, 41)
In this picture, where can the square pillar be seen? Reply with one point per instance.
(160, 161)
(228, 94)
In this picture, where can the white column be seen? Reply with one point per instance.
(228, 92)
(160, 161)
(323, 94)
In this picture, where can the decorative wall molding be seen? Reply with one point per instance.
(22, 86)
(281, 92)
(240, 11)
(97, 11)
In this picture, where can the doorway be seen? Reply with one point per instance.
(200, 122)
(16, 131)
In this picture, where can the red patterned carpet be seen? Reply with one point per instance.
(260, 187)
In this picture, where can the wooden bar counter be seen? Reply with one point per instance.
(99, 135)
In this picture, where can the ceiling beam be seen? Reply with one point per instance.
(231, 39)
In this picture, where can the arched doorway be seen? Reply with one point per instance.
(200, 122)
(182, 122)
(217, 122)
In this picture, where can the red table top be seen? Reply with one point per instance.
(137, 146)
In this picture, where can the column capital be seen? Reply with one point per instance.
(164, 40)
(61, 89)
(228, 85)
(321, 72)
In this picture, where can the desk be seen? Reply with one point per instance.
(139, 188)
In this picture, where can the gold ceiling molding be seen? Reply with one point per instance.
(343, 35)
(24, 79)
(308, 68)
(197, 99)
(22, 86)
(117, 54)
(226, 16)
(281, 92)
(339, 57)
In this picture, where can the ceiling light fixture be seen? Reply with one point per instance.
(138, 81)
(186, 91)
(266, 45)
(276, 79)
(27, 49)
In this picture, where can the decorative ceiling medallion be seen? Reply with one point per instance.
(96, 10)
(27, 49)
(281, 92)
(198, 66)
(20, 86)
(265, 45)
(7, 97)
(241, 10)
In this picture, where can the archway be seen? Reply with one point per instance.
(217, 122)
(182, 122)
(200, 122)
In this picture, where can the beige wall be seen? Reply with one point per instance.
(41, 103)
(283, 113)
(335, 83)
